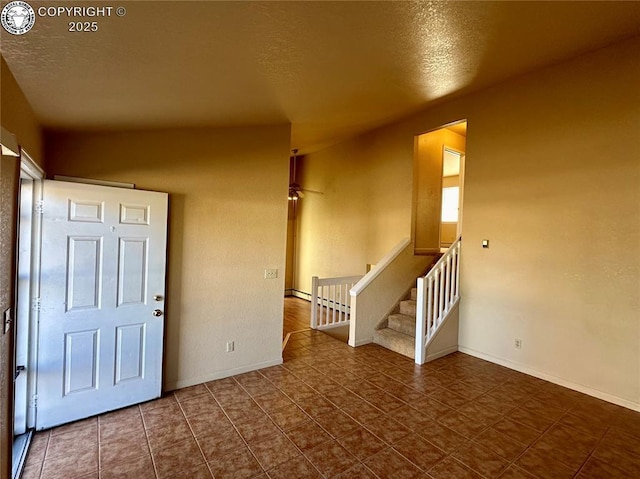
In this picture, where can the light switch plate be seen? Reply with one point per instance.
(485, 243)
(270, 273)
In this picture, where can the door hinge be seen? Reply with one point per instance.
(8, 319)
(34, 401)
(38, 208)
(36, 304)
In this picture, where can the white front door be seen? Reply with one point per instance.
(102, 281)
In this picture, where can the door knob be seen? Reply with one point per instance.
(157, 312)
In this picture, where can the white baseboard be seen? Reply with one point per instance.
(552, 379)
(301, 294)
(440, 354)
(220, 375)
(362, 342)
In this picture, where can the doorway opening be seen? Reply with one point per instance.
(451, 191)
(30, 194)
(438, 187)
(297, 311)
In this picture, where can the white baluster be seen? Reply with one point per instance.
(447, 282)
(430, 308)
(458, 270)
(441, 291)
(323, 316)
(436, 297)
(339, 305)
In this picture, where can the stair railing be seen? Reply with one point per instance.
(330, 301)
(438, 294)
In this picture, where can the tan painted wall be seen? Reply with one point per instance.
(358, 218)
(228, 218)
(17, 116)
(448, 234)
(553, 180)
(428, 185)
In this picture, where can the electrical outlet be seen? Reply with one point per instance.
(230, 346)
(518, 343)
(270, 273)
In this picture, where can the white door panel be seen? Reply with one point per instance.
(102, 277)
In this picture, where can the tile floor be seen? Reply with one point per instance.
(334, 411)
(297, 315)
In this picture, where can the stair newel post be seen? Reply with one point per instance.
(421, 320)
(314, 302)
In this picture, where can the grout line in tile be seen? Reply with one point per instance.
(590, 455)
(146, 435)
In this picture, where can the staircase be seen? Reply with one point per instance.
(425, 312)
(398, 331)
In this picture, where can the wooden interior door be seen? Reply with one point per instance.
(102, 287)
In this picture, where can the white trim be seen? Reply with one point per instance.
(221, 374)
(29, 169)
(333, 325)
(31, 172)
(9, 143)
(440, 354)
(362, 342)
(24, 306)
(380, 267)
(552, 379)
(91, 181)
(301, 294)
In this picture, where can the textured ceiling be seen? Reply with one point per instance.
(331, 69)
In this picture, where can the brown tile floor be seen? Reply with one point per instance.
(334, 411)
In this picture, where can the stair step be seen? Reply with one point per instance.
(403, 324)
(395, 341)
(408, 307)
(414, 294)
